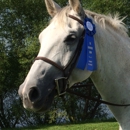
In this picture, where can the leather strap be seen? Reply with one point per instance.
(73, 17)
(95, 99)
(50, 62)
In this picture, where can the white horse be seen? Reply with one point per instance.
(58, 45)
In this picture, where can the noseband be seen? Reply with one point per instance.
(62, 82)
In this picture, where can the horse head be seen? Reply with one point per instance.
(59, 43)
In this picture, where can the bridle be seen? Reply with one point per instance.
(62, 83)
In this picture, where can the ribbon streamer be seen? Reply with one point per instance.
(87, 58)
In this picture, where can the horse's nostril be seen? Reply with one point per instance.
(34, 94)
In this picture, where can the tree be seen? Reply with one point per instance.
(18, 47)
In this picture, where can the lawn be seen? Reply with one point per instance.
(85, 126)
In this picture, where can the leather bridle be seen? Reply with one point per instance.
(62, 82)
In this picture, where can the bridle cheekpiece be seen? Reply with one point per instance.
(62, 83)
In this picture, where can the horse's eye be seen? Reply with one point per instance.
(70, 38)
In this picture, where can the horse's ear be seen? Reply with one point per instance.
(52, 7)
(76, 6)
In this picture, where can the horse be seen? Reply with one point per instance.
(56, 64)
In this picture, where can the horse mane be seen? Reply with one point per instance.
(106, 22)
(109, 21)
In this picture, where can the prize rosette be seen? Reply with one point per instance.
(87, 58)
(89, 27)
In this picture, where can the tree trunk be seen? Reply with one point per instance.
(1, 112)
(1, 103)
(87, 103)
(95, 108)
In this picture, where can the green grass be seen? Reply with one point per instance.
(85, 126)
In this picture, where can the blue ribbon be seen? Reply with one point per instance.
(87, 58)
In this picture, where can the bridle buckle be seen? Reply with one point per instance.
(61, 85)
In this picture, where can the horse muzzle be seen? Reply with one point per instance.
(35, 100)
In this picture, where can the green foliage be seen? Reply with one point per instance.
(20, 26)
(19, 31)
